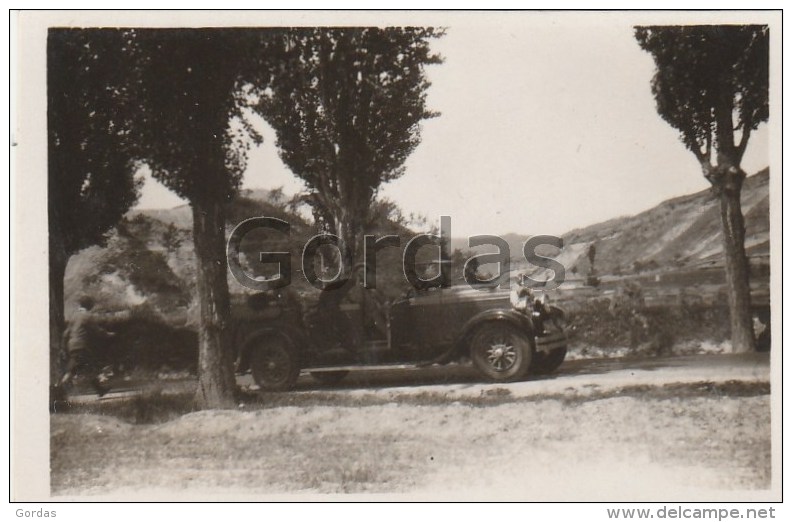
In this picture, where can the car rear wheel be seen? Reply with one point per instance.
(274, 364)
(501, 352)
(330, 378)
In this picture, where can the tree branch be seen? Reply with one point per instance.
(703, 156)
(746, 133)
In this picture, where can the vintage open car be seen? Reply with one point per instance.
(276, 339)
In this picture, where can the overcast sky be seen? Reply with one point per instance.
(543, 128)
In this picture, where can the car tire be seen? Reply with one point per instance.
(330, 378)
(501, 352)
(545, 363)
(274, 364)
(548, 362)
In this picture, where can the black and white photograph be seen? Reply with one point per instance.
(443, 256)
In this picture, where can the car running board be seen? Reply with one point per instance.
(366, 367)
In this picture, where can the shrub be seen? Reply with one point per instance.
(143, 341)
(626, 320)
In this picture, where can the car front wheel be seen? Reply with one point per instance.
(274, 364)
(501, 352)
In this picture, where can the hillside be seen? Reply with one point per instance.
(148, 260)
(680, 232)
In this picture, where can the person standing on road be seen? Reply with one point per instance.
(80, 344)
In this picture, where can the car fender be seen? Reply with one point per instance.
(512, 317)
(554, 340)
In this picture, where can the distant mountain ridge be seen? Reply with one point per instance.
(682, 231)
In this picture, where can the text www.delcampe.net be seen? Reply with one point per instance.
(679, 512)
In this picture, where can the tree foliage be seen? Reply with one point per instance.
(346, 105)
(192, 95)
(711, 82)
(89, 110)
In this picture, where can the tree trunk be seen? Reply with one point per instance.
(350, 234)
(728, 187)
(57, 270)
(216, 382)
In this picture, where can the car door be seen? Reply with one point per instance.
(416, 329)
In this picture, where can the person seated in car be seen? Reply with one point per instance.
(436, 274)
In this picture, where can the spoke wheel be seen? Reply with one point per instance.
(501, 353)
(274, 365)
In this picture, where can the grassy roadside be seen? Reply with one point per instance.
(638, 443)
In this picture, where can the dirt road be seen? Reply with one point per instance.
(583, 376)
(690, 428)
(580, 376)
